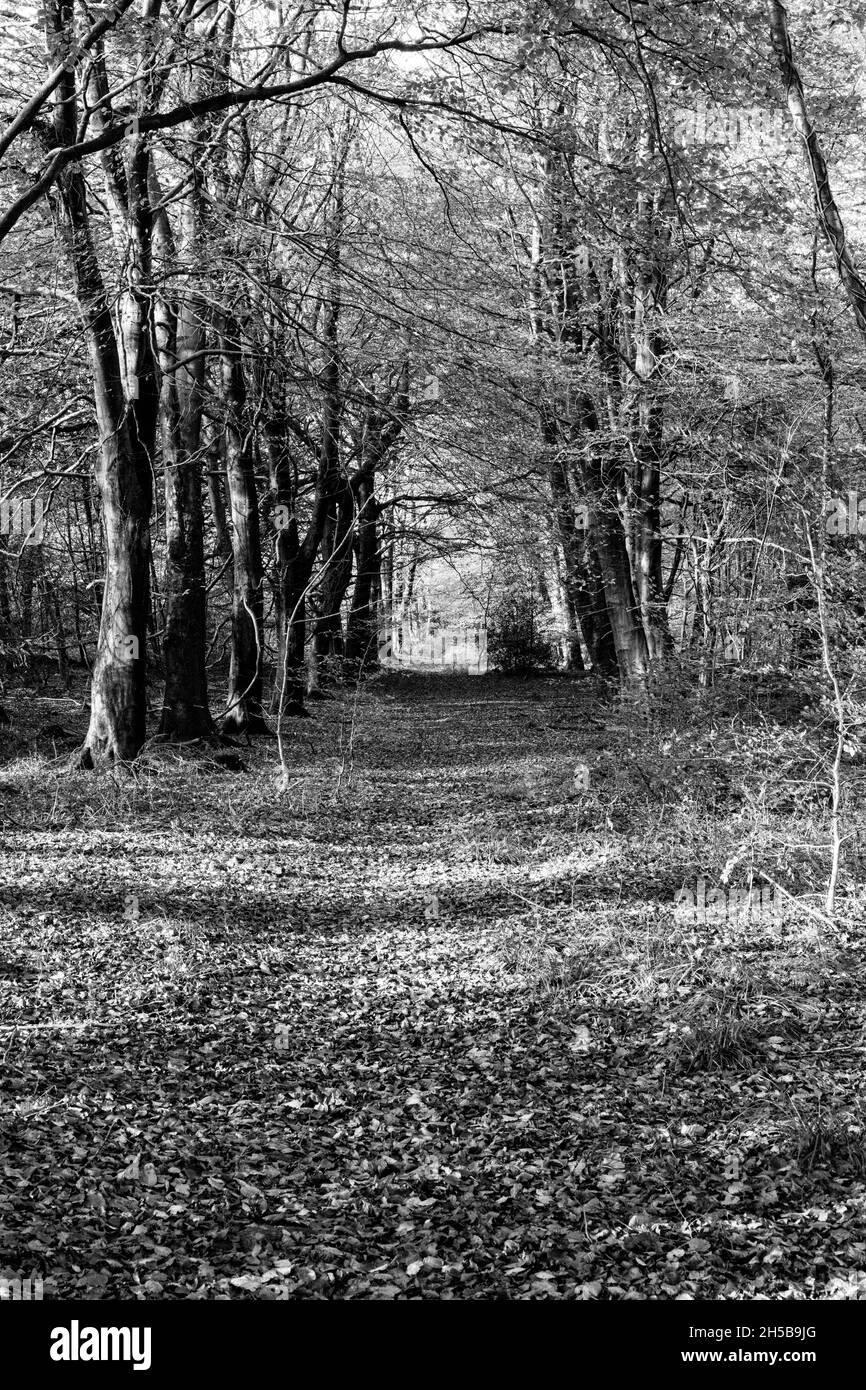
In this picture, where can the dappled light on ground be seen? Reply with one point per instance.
(419, 1028)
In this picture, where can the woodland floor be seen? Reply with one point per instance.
(423, 1024)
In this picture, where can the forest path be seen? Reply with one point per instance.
(424, 1025)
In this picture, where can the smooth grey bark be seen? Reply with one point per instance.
(125, 396)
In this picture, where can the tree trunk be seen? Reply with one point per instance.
(127, 423)
(648, 301)
(244, 709)
(336, 574)
(828, 211)
(554, 589)
(296, 557)
(383, 427)
(622, 607)
(592, 611)
(180, 336)
(584, 590)
(293, 576)
(215, 465)
(291, 569)
(648, 555)
(362, 638)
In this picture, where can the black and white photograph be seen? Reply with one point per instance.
(432, 668)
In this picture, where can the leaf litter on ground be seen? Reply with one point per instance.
(424, 1024)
